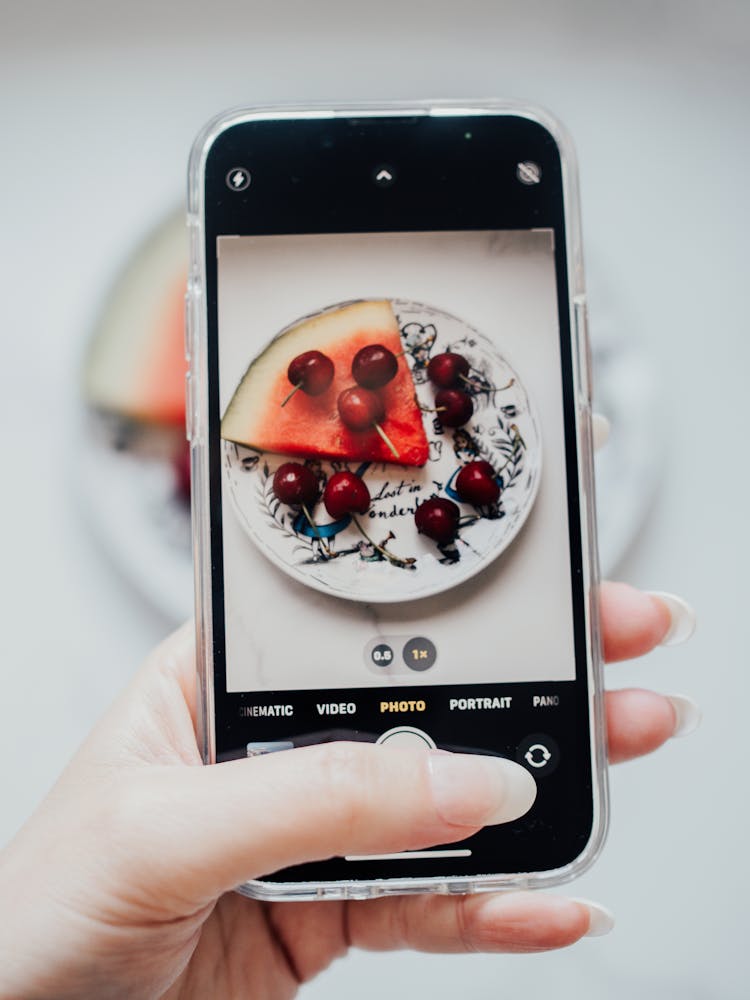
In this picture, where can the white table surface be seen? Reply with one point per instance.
(99, 106)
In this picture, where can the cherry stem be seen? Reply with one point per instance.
(383, 551)
(387, 440)
(287, 398)
(314, 527)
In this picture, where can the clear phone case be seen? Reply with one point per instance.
(197, 423)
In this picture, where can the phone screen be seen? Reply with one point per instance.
(395, 495)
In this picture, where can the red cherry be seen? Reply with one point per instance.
(476, 483)
(360, 409)
(295, 484)
(344, 494)
(438, 519)
(312, 372)
(455, 407)
(485, 467)
(445, 370)
(374, 366)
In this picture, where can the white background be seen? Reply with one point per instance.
(99, 105)
(511, 622)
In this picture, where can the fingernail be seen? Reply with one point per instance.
(601, 920)
(600, 428)
(475, 790)
(687, 715)
(682, 618)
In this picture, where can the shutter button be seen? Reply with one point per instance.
(407, 736)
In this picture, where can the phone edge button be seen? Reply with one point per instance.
(189, 419)
(583, 348)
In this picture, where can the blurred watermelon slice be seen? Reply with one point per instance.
(136, 363)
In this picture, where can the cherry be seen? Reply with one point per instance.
(344, 494)
(485, 467)
(476, 483)
(295, 484)
(312, 372)
(446, 370)
(374, 366)
(360, 408)
(454, 407)
(438, 519)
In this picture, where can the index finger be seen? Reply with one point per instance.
(634, 622)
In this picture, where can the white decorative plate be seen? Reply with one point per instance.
(379, 557)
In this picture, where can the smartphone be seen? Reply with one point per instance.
(393, 502)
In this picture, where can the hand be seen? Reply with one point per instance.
(119, 884)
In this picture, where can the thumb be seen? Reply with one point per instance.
(200, 831)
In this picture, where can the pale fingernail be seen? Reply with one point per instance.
(475, 790)
(687, 715)
(601, 920)
(682, 617)
(600, 428)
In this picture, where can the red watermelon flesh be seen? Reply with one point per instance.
(310, 426)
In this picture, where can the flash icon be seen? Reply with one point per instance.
(238, 179)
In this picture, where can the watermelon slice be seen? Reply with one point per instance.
(136, 363)
(310, 426)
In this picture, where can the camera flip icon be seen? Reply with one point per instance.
(539, 753)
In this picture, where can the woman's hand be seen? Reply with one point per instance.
(119, 884)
